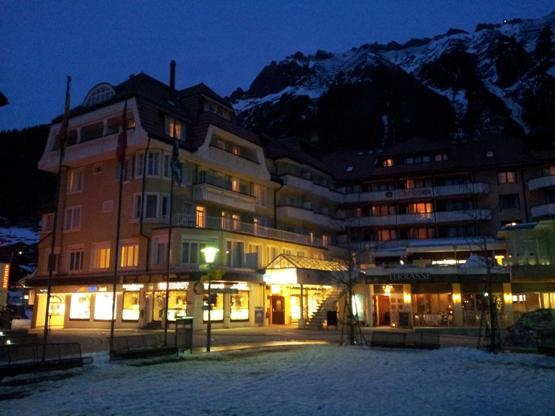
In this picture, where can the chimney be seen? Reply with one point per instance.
(172, 74)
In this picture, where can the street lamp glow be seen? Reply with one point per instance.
(210, 254)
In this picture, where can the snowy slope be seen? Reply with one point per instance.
(498, 75)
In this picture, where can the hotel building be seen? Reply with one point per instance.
(419, 217)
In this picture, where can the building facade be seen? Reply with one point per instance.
(421, 218)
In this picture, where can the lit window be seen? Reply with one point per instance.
(191, 251)
(239, 306)
(129, 256)
(235, 187)
(506, 177)
(200, 217)
(103, 307)
(101, 256)
(420, 208)
(174, 128)
(386, 235)
(130, 310)
(98, 94)
(387, 163)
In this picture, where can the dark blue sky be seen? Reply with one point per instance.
(222, 43)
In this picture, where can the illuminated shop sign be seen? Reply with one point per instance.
(281, 277)
(174, 285)
(133, 287)
(5, 275)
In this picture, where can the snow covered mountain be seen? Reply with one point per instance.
(500, 79)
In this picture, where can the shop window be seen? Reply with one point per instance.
(217, 301)
(508, 176)
(76, 260)
(177, 305)
(80, 306)
(74, 181)
(239, 306)
(103, 307)
(101, 256)
(129, 256)
(130, 310)
(72, 218)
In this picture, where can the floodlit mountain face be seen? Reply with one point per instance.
(500, 79)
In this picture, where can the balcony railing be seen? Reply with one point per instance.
(228, 224)
(428, 218)
(541, 182)
(417, 193)
(309, 186)
(308, 215)
(546, 210)
(211, 192)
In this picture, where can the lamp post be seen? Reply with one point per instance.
(209, 256)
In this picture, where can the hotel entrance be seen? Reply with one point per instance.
(277, 316)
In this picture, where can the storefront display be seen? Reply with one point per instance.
(80, 306)
(103, 307)
(239, 306)
(130, 310)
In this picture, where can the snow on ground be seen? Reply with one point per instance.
(13, 235)
(321, 380)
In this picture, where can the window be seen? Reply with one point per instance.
(130, 310)
(137, 206)
(74, 181)
(80, 307)
(159, 250)
(420, 208)
(272, 252)
(47, 222)
(129, 256)
(508, 176)
(254, 256)
(139, 164)
(191, 251)
(107, 206)
(509, 201)
(417, 183)
(260, 194)
(174, 128)
(92, 131)
(103, 306)
(217, 302)
(165, 206)
(200, 217)
(127, 170)
(441, 157)
(235, 253)
(235, 184)
(326, 240)
(153, 164)
(101, 256)
(421, 233)
(99, 94)
(76, 260)
(166, 166)
(386, 235)
(235, 222)
(151, 206)
(72, 218)
(549, 170)
(239, 306)
(380, 210)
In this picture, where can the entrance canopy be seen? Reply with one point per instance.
(287, 269)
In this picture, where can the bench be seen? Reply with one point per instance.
(135, 346)
(419, 340)
(27, 358)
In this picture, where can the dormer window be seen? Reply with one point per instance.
(441, 157)
(98, 94)
(174, 128)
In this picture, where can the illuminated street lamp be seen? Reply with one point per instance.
(209, 257)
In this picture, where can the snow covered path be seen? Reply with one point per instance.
(321, 380)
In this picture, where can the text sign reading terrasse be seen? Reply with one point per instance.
(409, 276)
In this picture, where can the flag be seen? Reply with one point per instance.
(122, 138)
(62, 135)
(176, 165)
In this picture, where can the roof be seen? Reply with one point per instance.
(293, 148)
(289, 261)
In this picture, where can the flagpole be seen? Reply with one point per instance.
(170, 228)
(121, 148)
(62, 142)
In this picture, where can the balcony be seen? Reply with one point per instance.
(412, 273)
(213, 193)
(419, 193)
(227, 224)
(307, 215)
(546, 210)
(306, 185)
(416, 219)
(541, 183)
